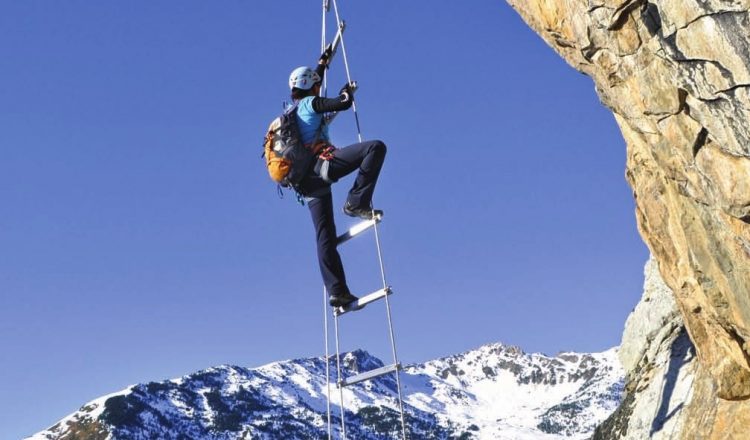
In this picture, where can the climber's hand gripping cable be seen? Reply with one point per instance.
(347, 91)
(326, 56)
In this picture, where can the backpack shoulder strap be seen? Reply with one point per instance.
(292, 108)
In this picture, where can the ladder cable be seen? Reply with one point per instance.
(327, 361)
(339, 376)
(326, 6)
(392, 333)
(340, 379)
(323, 91)
(339, 23)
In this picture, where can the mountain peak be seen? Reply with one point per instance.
(359, 361)
(477, 394)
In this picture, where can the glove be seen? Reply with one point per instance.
(325, 57)
(347, 93)
(349, 88)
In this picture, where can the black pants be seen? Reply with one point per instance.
(366, 157)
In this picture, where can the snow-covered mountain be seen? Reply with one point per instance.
(494, 392)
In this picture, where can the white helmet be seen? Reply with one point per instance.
(303, 78)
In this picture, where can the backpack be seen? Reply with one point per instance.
(288, 159)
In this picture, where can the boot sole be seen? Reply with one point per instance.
(341, 303)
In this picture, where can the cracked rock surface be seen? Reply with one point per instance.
(676, 75)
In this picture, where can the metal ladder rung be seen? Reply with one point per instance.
(367, 375)
(357, 229)
(361, 302)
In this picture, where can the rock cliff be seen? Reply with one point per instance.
(676, 75)
(660, 365)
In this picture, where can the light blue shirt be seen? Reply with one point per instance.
(309, 121)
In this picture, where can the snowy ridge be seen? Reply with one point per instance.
(494, 392)
(506, 393)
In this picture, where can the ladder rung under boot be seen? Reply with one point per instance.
(357, 229)
(367, 375)
(361, 302)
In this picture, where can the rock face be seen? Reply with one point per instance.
(676, 75)
(660, 365)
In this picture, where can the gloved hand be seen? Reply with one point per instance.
(349, 88)
(325, 57)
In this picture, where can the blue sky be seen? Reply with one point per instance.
(141, 239)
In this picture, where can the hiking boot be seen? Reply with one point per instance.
(363, 213)
(341, 300)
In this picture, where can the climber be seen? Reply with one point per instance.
(332, 164)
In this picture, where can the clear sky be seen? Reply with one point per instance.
(141, 238)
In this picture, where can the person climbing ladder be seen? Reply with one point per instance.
(300, 156)
(331, 165)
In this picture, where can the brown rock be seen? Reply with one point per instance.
(676, 75)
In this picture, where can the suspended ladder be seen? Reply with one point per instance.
(382, 293)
